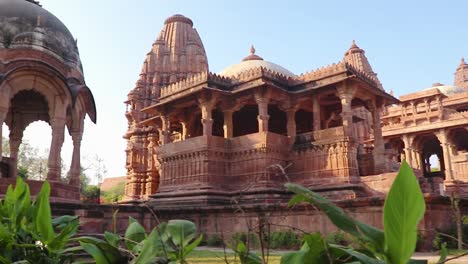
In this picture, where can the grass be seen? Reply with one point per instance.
(217, 257)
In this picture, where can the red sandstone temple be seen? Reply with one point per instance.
(197, 137)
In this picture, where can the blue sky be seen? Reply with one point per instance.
(410, 44)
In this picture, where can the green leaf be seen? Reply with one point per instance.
(181, 231)
(443, 253)
(43, 214)
(364, 259)
(60, 241)
(112, 239)
(111, 253)
(134, 234)
(403, 209)
(245, 256)
(313, 251)
(192, 245)
(152, 247)
(95, 252)
(342, 220)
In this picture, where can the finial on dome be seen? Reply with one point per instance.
(353, 44)
(462, 61)
(252, 49)
(252, 55)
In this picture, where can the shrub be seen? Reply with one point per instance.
(451, 243)
(249, 239)
(214, 240)
(284, 240)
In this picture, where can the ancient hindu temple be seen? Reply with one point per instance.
(41, 79)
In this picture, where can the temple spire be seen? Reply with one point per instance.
(461, 74)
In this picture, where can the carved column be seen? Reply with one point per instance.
(3, 113)
(16, 136)
(316, 113)
(408, 140)
(184, 130)
(346, 96)
(263, 116)
(75, 166)
(291, 123)
(207, 120)
(227, 127)
(445, 144)
(164, 132)
(54, 164)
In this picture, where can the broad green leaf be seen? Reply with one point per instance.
(364, 259)
(245, 256)
(313, 251)
(43, 214)
(403, 209)
(112, 239)
(111, 253)
(181, 231)
(62, 221)
(134, 234)
(192, 245)
(152, 247)
(342, 220)
(95, 252)
(60, 241)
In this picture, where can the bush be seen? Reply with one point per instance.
(249, 239)
(285, 240)
(451, 243)
(214, 240)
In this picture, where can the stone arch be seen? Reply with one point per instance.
(278, 120)
(426, 146)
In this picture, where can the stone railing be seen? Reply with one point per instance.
(184, 84)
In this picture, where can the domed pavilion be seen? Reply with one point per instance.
(41, 79)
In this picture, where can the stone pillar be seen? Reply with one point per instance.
(75, 166)
(263, 116)
(346, 96)
(54, 164)
(227, 127)
(184, 131)
(291, 125)
(444, 142)
(16, 136)
(207, 120)
(379, 147)
(408, 140)
(316, 114)
(164, 132)
(3, 113)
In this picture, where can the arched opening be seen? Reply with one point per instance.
(434, 163)
(34, 151)
(218, 122)
(431, 156)
(331, 111)
(278, 120)
(304, 121)
(245, 121)
(459, 138)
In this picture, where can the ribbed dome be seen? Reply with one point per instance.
(447, 89)
(254, 61)
(25, 24)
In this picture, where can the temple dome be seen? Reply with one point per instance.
(447, 89)
(25, 24)
(254, 61)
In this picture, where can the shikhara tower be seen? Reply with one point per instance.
(177, 54)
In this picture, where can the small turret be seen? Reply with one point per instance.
(356, 57)
(461, 75)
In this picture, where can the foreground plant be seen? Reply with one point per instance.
(28, 234)
(404, 208)
(167, 243)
